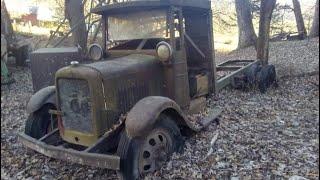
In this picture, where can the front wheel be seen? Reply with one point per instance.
(40, 123)
(147, 154)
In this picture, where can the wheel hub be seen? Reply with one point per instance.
(155, 150)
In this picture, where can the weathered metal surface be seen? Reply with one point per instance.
(195, 46)
(115, 86)
(108, 141)
(84, 158)
(119, 53)
(45, 95)
(124, 7)
(242, 62)
(213, 114)
(94, 80)
(197, 105)
(212, 61)
(55, 112)
(52, 138)
(228, 68)
(198, 26)
(126, 80)
(75, 100)
(45, 62)
(176, 71)
(199, 85)
(144, 114)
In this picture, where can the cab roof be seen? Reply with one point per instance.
(124, 7)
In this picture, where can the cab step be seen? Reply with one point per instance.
(213, 114)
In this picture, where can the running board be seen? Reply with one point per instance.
(213, 114)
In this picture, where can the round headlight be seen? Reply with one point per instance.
(164, 51)
(95, 52)
(74, 63)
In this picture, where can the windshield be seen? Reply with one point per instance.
(137, 25)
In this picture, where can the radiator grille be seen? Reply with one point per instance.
(129, 95)
(75, 103)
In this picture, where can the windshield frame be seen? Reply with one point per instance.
(147, 24)
(170, 27)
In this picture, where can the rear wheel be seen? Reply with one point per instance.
(147, 154)
(266, 77)
(39, 123)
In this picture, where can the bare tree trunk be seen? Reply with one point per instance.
(299, 19)
(74, 12)
(266, 10)
(247, 36)
(314, 32)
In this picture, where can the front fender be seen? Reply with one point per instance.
(43, 96)
(145, 113)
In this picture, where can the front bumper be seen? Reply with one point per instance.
(71, 155)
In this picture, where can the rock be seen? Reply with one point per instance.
(234, 178)
(281, 167)
(47, 177)
(221, 165)
(169, 165)
(34, 172)
(295, 123)
(295, 177)
(90, 176)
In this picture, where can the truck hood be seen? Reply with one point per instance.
(130, 64)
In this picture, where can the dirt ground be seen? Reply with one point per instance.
(261, 136)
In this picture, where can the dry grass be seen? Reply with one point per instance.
(225, 43)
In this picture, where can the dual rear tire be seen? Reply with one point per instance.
(258, 76)
(266, 77)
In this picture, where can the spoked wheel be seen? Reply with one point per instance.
(40, 123)
(140, 156)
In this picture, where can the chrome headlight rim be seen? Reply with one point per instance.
(98, 52)
(164, 51)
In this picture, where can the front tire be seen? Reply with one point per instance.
(143, 155)
(39, 123)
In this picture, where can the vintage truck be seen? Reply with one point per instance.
(126, 107)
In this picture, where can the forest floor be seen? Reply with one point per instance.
(261, 136)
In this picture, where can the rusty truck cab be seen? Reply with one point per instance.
(138, 26)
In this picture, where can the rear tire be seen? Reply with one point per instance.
(140, 156)
(266, 77)
(38, 123)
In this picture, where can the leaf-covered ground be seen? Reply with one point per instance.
(261, 136)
